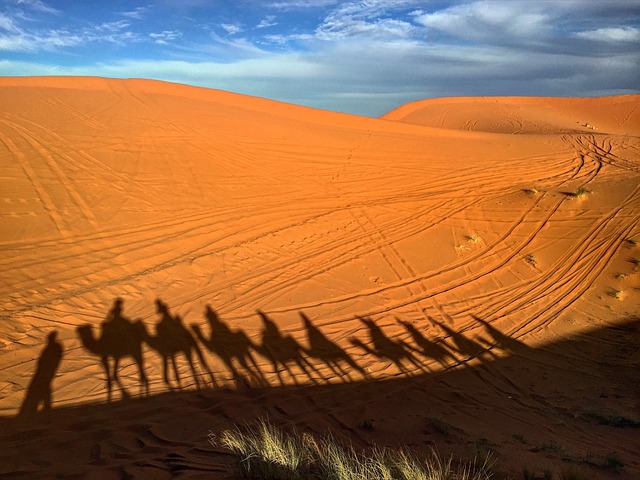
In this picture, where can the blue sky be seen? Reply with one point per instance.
(364, 57)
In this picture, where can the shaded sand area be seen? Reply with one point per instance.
(460, 273)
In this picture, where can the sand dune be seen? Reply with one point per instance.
(434, 271)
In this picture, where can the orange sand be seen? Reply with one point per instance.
(456, 293)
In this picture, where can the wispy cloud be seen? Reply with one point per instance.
(268, 21)
(38, 6)
(302, 4)
(163, 38)
(137, 13)
(8, 24)
(232, 28)
(613, 34)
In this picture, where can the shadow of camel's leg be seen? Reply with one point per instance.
(193, 368)
(144, 381)
(105, 366)
(175, 370)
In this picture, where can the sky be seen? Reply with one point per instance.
(363, 57)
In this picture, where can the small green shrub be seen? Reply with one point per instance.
(580, 192)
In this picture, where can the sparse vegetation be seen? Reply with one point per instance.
(632, 241)
(367, 424)
(617, 294)
(269, 454)
(609, 461)
(473, 238)
(617, 421)
(519, 437)
(531, 259)
(549, 446)
(532, 190)
(621, 276)
(572, 473)
(527, 475)
(440, 426)
(635, 261)
(580, 192)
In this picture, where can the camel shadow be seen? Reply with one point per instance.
(119, 338)
(171, 339)
(504, 342)
(465, 346)
(330, 353)
(427, 348)
(284, 352)
(385, 348)
(230, 346)
(39, 390)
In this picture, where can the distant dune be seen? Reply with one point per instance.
(541, 115)
(461, 273)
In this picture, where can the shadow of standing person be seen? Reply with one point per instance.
(39, 390)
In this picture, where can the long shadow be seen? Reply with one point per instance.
(231, 346)
(464, 346)
(40, 390)
(171, 339)
(323, 349)
(283, 351)
(504, 342)
(119, 338)
(428, 348)
(573, 397)
(385, 348)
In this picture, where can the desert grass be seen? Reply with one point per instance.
(616, 293)
(268, 453)
(531, 259)
(473, 238)
(580, 192)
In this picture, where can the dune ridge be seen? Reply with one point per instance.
(319, 267)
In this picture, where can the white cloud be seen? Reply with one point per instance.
(493, 22)
(111, 26)
(137, 13)
(8, 24)
(613, 34)
(268, 21)
(164, 37)
(232, 28)
(296, 4)
(38, 6)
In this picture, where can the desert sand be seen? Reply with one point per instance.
(461, 273)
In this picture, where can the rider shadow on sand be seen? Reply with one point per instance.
(428, 348)
(329, 352)
(39, 390)
(119, 338)
(465, 346)
(232, 347)
(173, 338)
(384, 347)
(284, 352)
(503, 341)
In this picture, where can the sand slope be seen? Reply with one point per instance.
(439, 255)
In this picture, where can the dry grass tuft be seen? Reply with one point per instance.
(268, 453)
